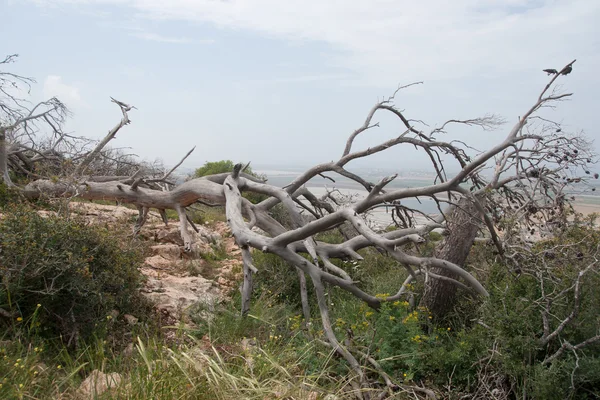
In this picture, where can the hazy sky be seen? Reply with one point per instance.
(285, 82)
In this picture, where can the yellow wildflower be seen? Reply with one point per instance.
(19, 319)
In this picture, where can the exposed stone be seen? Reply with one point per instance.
(169, 284)
(108, 213)
(46, 214)
(170, 252)
(128, 352)
(97, 383)
(131, 320)
(249, 349)
(159, 262)
(199, 359)
(169, 235)
(175, 294)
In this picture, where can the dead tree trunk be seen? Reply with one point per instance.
(4, 159)
(463, 224)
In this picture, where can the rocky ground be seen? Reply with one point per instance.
(178, 281)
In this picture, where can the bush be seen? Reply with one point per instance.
(63, 277)
(509, 347)
(214, 167)
(277, 279)
(219, 167)
(8, 195)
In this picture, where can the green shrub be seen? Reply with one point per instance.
(219, 167)
(435, 236)
(277, 279)
(8, 195)
(509, 347)
(63, 277)
(214, 167)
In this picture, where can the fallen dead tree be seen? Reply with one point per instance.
(531, 168)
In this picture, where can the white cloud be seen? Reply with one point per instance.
(301, 79)
(54, 87)
(155, 37)
(135, 27)
(390, 40)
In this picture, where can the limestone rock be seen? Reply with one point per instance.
(98, 213)
(97, 383)
(170, 252)
(131, 320)
(175, 294)
(158, 262)
(128, 352)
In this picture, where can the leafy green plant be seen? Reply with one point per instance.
(63, 277)
(222, 166)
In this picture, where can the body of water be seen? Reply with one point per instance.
(382, 216)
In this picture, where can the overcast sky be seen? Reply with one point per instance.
(285, 82)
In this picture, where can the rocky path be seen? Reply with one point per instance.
(178, 281)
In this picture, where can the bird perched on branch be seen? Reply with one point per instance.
(567, 70)
(551, 71)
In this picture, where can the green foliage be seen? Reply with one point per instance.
(214, 167)
(435, 236)
(496, 342)
(8, 195)
(377, 272)
(217, 252)
(332, 236)
(267, 319)
(511, 344)
(219, 167)
(493, 344)
(277, 279)
(63, 277)
(198, 369)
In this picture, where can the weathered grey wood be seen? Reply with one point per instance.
(110, 136)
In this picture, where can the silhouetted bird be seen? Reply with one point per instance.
(567, 70)
(551, 71)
